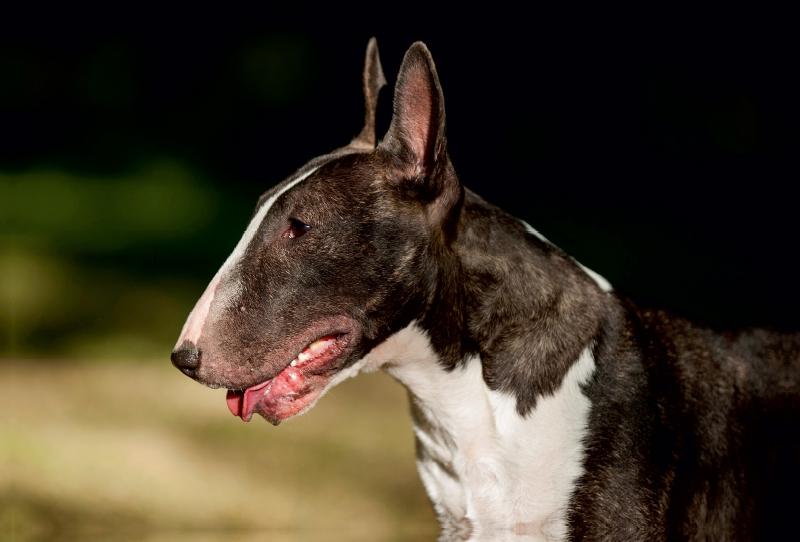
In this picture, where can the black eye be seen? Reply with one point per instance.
(296, 229)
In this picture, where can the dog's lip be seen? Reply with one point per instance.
(243, 403)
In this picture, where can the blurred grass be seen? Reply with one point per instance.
(135, 451)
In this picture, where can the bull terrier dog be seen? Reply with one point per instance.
(546, 404)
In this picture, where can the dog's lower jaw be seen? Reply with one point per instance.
(297, 386)
(491, 473)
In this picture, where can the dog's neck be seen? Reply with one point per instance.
(499, 431)
(525, 308)
(490, 472)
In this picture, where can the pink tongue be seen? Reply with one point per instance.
(234, 400)
(243, 404)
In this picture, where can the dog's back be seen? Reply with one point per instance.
(712, 450)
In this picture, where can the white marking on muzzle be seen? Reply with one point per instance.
(194, 324)
(193, 327)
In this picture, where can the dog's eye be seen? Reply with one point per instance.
(296, 229)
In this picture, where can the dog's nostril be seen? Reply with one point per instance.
(186, 358)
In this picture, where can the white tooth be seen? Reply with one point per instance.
(294, 362)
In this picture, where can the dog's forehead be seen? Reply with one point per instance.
(336, 184)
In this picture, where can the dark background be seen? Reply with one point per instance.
(659, 147)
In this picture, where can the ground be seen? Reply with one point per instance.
(136, 451)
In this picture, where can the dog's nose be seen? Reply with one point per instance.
(186, 358)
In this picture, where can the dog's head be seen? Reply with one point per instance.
(336, 258)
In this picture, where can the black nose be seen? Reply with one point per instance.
(186, 358)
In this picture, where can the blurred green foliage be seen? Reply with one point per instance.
(160, 201)
(54, 301)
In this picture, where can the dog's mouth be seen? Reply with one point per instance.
(296, 387)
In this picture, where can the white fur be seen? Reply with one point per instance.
(197, 318)
(193, 327)
(491, 473)
(599, 279)
(534, 231)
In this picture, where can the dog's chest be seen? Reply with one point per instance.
(490, 473)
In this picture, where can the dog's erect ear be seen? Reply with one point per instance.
(416, 137)
(373, 82)
(417, 131)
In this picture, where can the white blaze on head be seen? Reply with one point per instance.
(194, 324)
(193, 327)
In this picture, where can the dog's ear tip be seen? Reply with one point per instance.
(418, 62)
(373, 81)
(372, 46)
(418, 45)
(419, 50)
(373, 61)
